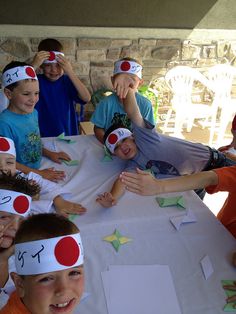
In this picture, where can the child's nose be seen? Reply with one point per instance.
(60, 288)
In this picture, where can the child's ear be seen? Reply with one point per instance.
(19, 284)
(140, 82)
(7, 93)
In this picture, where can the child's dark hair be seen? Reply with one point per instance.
(44, 226)
(11, 65)
(18, 183)
(112, 128)
(50, 44)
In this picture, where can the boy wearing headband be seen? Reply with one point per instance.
(49, 275)
(15, 201)
(146, 149)
(60, 90)
(110, 109)
(20, 120)
(50, 192)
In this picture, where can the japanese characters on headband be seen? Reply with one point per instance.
(53, 57)
(18, 74)
(14, 202)
(7, 146)
(48, 255)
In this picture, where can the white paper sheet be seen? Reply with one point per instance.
(140, 289)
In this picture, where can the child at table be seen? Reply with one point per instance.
(230, 150)
(60, 90)
(20, 121)
(110, 109)
(147, 149)
(50, 193)
(222, 179)
(15, 201)
(47, 278)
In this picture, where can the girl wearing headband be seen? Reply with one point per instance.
(20, 120)
(49, 273)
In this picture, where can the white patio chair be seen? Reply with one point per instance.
(3, 101)
(221, 78)
(180, 80)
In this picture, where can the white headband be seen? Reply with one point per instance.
(47, 255)
(18, 74)
(14, 202)
(125, 66)
(7, 146)
(116, 136)
(53, 57)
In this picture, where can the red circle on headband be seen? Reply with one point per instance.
(112, 139)
(52, 56)
(4, 145)
(21, 204)
(30, 72)
(125, 66)
(67, 251)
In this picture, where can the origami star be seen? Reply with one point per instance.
(116, 239)
(107, 155)
(171, 201)
(61, 137)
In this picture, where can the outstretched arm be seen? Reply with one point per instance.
(144, 183)
(109, 199)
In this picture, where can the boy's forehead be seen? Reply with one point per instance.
(4, 156)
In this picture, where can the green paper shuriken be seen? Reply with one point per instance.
(171, 201)
(61, 137)
(70, 162)
(107, 155)
(116, 239)
(231, 306)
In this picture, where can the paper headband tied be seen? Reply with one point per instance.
(14, 202)
(53, 57)
(131, 67)
(47, 255)
(116, 136)
(18, 74)
(7, 146)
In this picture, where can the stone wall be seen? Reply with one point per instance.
(93, 58)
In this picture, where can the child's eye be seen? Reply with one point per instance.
(45, 279)
(77, 272)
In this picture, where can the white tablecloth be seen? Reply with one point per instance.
(155, 240)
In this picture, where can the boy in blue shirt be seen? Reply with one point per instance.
(110, 109)
(60, 91)
(19, 121)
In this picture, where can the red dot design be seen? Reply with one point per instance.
(67, 251)
(30, 72)
(21, 204)
(112, 139)
(52, 56)
(4, 145)
(125, 66)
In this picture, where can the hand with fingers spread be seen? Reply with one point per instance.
(141, 182)
(58, 156)
(106, 200)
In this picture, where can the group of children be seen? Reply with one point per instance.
(44, 105)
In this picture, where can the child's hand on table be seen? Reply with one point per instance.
(106, 200)
(52, 174)
(58, 156)
(66, 208)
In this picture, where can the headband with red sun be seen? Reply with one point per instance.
(48, 255)
(14, 202)
(53, 56)
(115, 137)
(131, 67)
(18, 74)
(7, 146)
